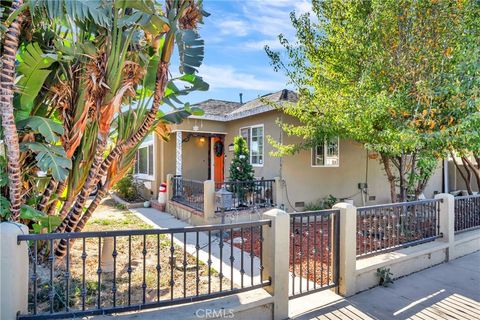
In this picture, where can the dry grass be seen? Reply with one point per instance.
(142, 283)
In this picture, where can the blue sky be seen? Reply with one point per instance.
(235, 34)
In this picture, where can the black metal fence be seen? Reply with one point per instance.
(248, 194)
(388, 227)
(188, 192)
(314, 251)
(467, 213)
(148, 268)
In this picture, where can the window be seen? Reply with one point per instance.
(254, 137)
(327, 154)
(145, 159)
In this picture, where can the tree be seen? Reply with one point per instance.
(376, 72)
(240, 167)
(93, 76)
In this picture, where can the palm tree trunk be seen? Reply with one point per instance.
(74, 214)
(49, 190)
(102, 192)
(160, 85)
(7, 78)
(53, 206)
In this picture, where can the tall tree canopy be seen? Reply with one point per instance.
(386, 74)
(91, 77)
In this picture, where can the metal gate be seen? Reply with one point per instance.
(314, 251)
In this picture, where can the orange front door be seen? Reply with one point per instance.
(218, 159)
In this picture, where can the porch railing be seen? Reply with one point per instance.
(388, 227)
(248, 194)
(467, 213)
(145, 269)
(188, 192)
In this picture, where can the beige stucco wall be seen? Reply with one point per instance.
(304, 183)
(308, 184)
(208, 126)
(271, 165)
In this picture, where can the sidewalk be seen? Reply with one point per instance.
(447, 291)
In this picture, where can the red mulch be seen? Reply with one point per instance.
(314, 264)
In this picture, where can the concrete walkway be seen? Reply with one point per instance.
(162, 220)
(447, 291)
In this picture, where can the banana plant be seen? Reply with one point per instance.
(80, 65)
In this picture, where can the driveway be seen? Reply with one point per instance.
(447, 291)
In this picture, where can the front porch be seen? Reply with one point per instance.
(194, 200)
(200, 155)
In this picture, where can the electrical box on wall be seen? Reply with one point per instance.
(362, 185)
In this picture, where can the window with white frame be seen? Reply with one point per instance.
(144, 165)
(326, 154)
(254, 137)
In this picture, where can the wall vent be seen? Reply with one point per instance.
(300, 204)
(372, 198)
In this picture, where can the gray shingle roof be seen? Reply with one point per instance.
(221, 110)
(217, 107)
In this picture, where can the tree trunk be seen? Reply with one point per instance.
(7, 80)
(401, 174)
(474, 169)
(160, 84)
(465, 178)
(73, 216)
(469, 176)
(102, 192)
(390, 177)
(49, 190)
(53, 206)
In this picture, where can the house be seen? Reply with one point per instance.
(201, 148)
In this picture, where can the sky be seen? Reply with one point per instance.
(235, 35)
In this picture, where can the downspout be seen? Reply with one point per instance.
(445, 176)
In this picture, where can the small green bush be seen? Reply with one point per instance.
(322, 204)
(127, 188)
(385, 276)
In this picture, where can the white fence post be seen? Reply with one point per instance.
(447, 222)
(13, 271)
(276, 259)
(348, 248)
(208, 201)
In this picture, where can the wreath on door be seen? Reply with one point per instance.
(218, 148)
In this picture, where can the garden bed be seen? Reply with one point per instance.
(156, 285)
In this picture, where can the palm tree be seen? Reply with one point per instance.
(7, 78)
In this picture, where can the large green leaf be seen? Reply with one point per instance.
(190, 49)
(33, 68)
(78, 10)
(50, 158)
(48, 128)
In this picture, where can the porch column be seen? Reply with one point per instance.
(178, 154)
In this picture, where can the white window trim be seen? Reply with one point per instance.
(248, 142)
(325, 152)
(143, 176)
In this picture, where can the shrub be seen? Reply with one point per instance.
(322, 204)
(127, 188)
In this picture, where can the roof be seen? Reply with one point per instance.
(220, 110)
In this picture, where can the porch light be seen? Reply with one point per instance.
(202, 139)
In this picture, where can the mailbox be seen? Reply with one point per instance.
(223, 199)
